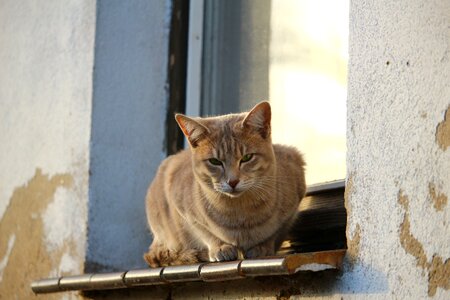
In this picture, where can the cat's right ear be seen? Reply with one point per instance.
(259, 119)
(193, 130)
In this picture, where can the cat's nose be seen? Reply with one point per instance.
(233, 183)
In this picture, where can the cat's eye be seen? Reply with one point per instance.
(246, 158)
(215, 161)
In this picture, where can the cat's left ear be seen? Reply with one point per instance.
(259, 119)
(193, 130)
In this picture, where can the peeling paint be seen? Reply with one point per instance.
(443, 132)
(347, 194)
(58, 229)
(4, 261)
(439, 199)
(407, 240)
(31, 260)
(353, 240)
(411, 244)
(439, 275)
(348, 191)
(403, 200)
(353, 245)
(438, 271)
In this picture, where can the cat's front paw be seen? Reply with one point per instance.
(260, 251)
(223, 252)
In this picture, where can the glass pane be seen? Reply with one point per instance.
(292, 52)
(308, 82)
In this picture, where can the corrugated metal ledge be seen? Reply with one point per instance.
(207, 272)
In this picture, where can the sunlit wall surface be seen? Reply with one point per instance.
(308, 87)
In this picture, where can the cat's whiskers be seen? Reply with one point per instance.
(282, 188)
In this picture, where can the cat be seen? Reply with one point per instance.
(231, 194)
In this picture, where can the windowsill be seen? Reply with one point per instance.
(207, 272)
(316, 243)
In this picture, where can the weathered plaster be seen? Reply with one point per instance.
(443, 132)
(5, 259)
(46, 59)
(407, 240)
(439, 199)
(439, 275)
(394, 139)
(438, 271)
(29, 258)
(353, 236)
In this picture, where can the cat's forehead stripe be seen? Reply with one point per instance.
(230, 145)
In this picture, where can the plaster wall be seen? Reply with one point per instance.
(83, 96)
(398, 157)
(46, 59)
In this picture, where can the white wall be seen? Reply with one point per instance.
(83, 93)
(46, 65)
(398, 169)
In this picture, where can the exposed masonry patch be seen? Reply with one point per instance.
(439, 275)
(407, 240)
(443, 131)
(438, 271)
(31, 260)
(439, 199)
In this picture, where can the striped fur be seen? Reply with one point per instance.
(193, 210)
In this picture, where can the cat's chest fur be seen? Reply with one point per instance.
(242, 224)
(251, 218)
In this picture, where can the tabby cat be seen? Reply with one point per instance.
(232, 194)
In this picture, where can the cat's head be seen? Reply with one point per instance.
(231, 154)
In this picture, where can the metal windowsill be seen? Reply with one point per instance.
(325, 187)
(206, 272)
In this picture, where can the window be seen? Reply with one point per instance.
(291, 52)
(294, 54)
(240, 52)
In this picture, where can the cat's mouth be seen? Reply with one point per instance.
(228, 191)
(233, 194)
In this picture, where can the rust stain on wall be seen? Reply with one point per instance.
(29, 259)
(443, 132)
(439, 199)
(438, 271)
